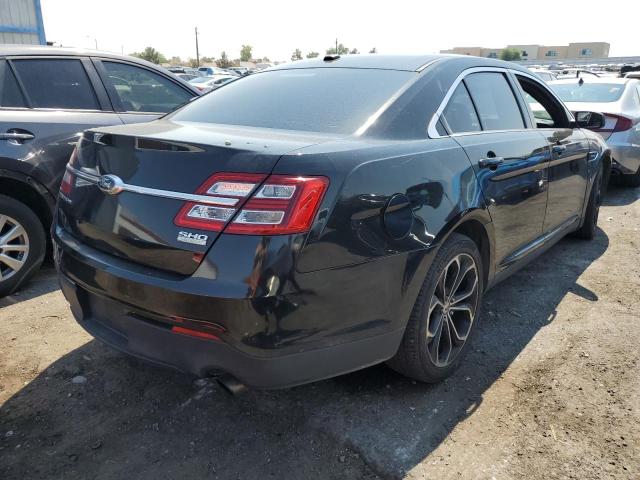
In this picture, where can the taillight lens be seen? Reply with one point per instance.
(67, 183)
(615, 123)
(281, 204)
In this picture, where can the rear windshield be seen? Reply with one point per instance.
(328, 100)
(588, 92)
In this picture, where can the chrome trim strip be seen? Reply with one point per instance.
(431, 129)
(154, 192)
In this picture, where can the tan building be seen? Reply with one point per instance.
(541, 52)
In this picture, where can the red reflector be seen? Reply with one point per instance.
(67, 182)
(194, 333)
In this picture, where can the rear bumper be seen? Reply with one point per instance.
(625, 154)
(134, 312)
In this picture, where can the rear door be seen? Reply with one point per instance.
(46, 103)
(138, 93)
(568, 169)
(510, 161)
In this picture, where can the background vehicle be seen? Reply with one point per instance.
(358, 218)
(206, 84)
(210, 71)
(545, 75)
(186, 70)
(47, 97)
(187, 76)
(619, 100)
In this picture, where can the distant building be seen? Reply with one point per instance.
(21, 22)
(541, 52)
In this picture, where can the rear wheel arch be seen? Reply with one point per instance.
(29, 192)
(477, 232)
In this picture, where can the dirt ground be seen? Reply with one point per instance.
(550, 390)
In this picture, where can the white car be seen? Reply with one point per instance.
(206, 84)
(619, 100)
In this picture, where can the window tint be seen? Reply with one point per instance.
(332, 100)
(10, 94)
(494, 101)
(460, 114)
(57, 83)
(141, 90)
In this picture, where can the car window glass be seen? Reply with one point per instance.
(10, 94)
(588, 92)
(460, 115)
(494, 100)
(141, 90)
(542, 116)
(57, 83)
(547, 110)
(331, 100)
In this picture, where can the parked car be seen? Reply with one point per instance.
(206, 84)
(187, 76)
(210, 71)
(359, 218)
(186, 70)
(545, 75)
(47, 96)
(242, 71)
(619, 100)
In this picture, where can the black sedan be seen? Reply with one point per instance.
(323, 216)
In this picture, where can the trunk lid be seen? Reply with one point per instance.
(169, 158)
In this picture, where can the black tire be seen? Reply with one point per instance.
(415, 357)
(12, 212)
(632, 180)
(588, 229)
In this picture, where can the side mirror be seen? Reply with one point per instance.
(590, 120)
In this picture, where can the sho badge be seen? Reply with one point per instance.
(195, 238)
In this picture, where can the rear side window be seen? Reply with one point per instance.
(141, 90)
(10, 94)
(494, 100)
(460, 114)
(57, 83)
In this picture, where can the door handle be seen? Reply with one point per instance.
(491, 162)
(559, 149)
(16, 138)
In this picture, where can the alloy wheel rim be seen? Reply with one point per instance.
(452, 309)
(14, 247)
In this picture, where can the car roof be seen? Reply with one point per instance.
(410, 63)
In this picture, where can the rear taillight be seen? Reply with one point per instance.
(615, 123)
(67, 183)
(280, 204)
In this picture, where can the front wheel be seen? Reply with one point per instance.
(445, 313)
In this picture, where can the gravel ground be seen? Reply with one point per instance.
(550, 390)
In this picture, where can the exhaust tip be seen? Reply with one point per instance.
(231, 384)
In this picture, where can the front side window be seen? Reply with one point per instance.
(140, 90)
(547, 111)
(329, 100)
(57, 83)
(460, 115)
(494, 101)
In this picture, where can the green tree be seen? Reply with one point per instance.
(245, 53)
(266, 60)
(354, 51)
(151, 55)
(207, 60)
(223, 61)
(175, 61)
(296, 55)
(192, 62)
(342, 50)
(510, 54)
(373, 50)
(312, 54)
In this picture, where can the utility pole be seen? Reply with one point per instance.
(197, 51)
(336, 45)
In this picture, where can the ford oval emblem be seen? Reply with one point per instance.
(110, 184)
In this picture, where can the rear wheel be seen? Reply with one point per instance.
(445, 313)
(22, 244)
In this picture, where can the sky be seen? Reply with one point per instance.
(275, 28)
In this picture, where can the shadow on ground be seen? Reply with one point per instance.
(44, 282)
(132, 420)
